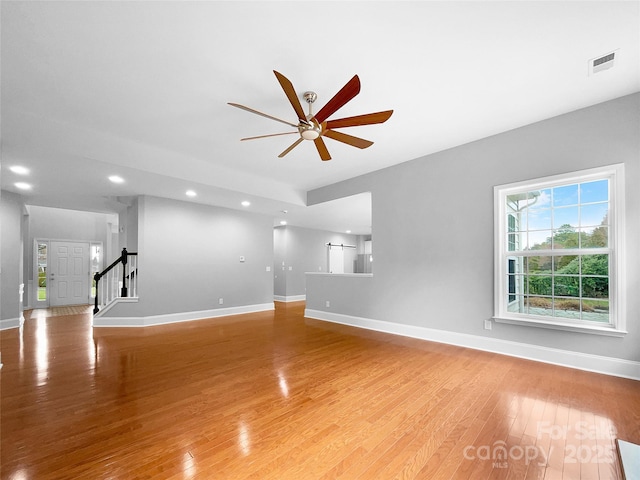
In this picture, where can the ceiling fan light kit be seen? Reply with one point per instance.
(309, 132)
(315, 126)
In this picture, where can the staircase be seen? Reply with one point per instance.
(118, 280)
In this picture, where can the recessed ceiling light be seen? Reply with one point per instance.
(246, 203)
(348, 231)
(116, 179)
(20, 170)
(22, 186)
(283, 222)
(190, 193)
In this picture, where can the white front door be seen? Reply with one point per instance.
(69, 277)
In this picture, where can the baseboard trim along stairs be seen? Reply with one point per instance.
(104, 321)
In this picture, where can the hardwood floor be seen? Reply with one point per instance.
(276, 396)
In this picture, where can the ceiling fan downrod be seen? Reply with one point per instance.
(312, 130)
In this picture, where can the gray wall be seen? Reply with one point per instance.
(63, 224)
(128, 226)
(189, 258)
(433, 227)
(299, 250)
(11, 221)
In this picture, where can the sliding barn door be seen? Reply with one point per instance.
(336, 259)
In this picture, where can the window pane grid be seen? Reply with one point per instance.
(565, 216)
(548, 272)
(586, 309)
(557, 250)
(583, 297)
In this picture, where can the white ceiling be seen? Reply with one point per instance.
(140, 89)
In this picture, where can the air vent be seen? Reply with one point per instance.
(603, 62)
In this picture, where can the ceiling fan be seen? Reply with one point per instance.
(315, 126)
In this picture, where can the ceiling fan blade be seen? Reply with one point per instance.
(346, 93)
(266, 136)
(290, 92)
(367, 119)
(262, 114)
(295, 144)
(322, 149)
(348, 139)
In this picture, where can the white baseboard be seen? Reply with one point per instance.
(104, 321)
(8, 323)
(103, 311)
(581, 361)
(291, 298)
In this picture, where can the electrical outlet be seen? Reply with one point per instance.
(268, 268)
(487, 324)
(327, 303)
(220, 301)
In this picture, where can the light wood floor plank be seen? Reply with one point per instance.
(273, 395)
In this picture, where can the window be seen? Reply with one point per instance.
(96, 264)
(42, 271)
(558, 256)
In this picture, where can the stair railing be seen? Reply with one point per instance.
(118, 280)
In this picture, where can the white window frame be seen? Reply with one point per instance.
(617, 313)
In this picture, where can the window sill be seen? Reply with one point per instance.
(566, 326)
